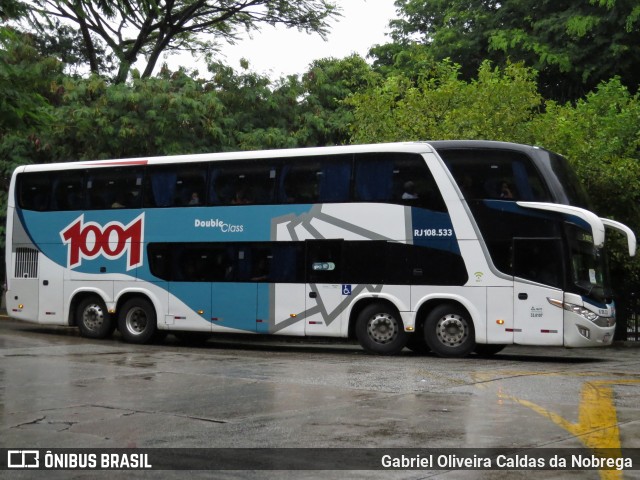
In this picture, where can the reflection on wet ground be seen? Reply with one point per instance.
(60, 390)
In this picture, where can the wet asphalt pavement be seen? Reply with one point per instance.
(58, 390)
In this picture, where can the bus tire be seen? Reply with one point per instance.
(449, 332)
(93, 318)
(137, 320)
(379, 330)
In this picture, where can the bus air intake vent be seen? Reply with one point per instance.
(26, 263)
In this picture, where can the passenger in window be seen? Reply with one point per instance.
(120, 201)
(240, 198)
(195, 199)
(506, 191)
(410, 192)
(261, 271)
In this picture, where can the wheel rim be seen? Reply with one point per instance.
(136, 321)
(93, 317)
(452, 330)
(382, 328)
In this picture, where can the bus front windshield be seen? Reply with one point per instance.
(589, 266)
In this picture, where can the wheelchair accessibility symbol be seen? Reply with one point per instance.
(346, 289)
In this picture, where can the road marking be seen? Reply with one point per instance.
(597, 425)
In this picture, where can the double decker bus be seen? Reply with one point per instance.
(448, 246)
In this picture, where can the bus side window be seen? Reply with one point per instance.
(159, 187)
(159, 256)
(324, 261)
(242, 183)
(539, 260)
(175, 185)
(68, 190)
(397, 178)
(114, 188)
(374, 178)
(299, 182)
(316, 180)
(34, 191)
(495, 175)
(190, 185)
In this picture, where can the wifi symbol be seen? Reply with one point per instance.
(478, 276)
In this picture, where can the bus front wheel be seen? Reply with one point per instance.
(379, 329)
(449, 332)
(137, 320)
(93, 319)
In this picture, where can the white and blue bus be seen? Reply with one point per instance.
(449, 246)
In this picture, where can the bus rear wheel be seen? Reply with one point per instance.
(137, 320)
(93, 318)
(379, 330)
(449, 332)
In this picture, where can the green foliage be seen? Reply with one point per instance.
(156, 116)
(601, 136)
(573, 45)
(326, 118)
(496, 105)
(25, 111)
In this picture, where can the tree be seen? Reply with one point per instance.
(168, 114)
(498, 104)
(573, 45)
(326, 117)
(130, 29)
(25, 106)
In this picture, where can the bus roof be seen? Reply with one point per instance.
(407, 147)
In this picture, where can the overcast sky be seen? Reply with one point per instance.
(279, 51)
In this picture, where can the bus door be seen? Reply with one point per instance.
(326, 297)
(51, 295)
(234, 297)
(189, 267)
(538, 276)
(281, 294)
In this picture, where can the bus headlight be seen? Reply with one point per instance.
(584, 313)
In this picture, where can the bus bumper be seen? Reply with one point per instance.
(582, 333)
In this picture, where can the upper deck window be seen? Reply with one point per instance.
(495, 175)
(386, 177)
(114, 188)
